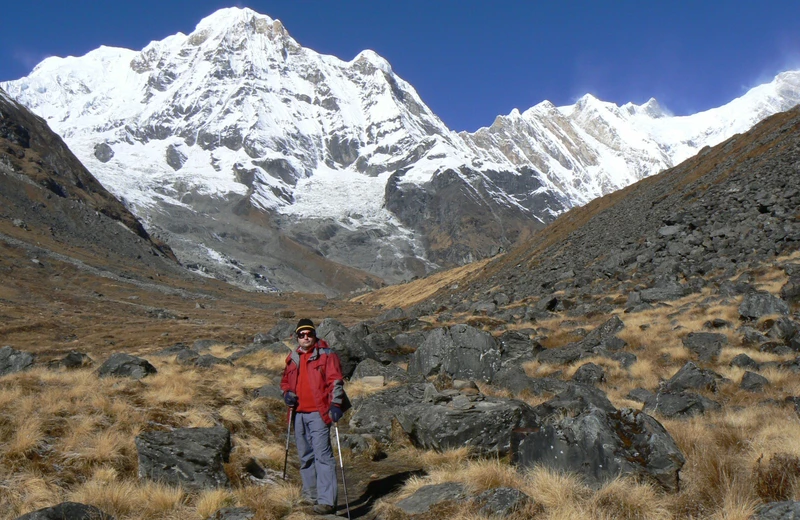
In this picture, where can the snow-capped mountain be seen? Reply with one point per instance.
(266, 163)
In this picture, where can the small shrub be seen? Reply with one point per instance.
(775, 480)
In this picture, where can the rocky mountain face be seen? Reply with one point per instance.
(45, 190)
(731, 208)
(269, 165)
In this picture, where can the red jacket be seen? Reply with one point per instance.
(324, 377)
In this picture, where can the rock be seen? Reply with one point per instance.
(791, 290)
(705, 345)
(461, 351)
(265, 338)
(562, 355)
(370, 367)
(589, 374)
(640, 395)
(277, 347)
(189, 457)
(350, 348)
(753, 382)
(788, 510)
(758, 304)
(575, 400)
(744, 361)
(690, 376)
(374, 414)
(604, 333)
(679, 404)
(173, 350)
(601, 445)
(514, 378)
(67, 511)
(12, 360)
(268, 391)
(427, 496)
(283, 330)
(501, 502)
(484, 423)
(75, 360)
(233, 513)
(517, 347)
(125, 365)
(208, 361)
(667, 292)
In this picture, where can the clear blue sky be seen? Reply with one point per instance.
(471, 60)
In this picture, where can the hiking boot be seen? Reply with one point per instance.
(324, 509)
(307, 501)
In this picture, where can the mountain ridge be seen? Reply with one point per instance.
(331, 150)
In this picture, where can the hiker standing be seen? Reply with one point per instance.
(313, 389)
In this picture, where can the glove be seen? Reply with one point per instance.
(290, 398)
(336, 413)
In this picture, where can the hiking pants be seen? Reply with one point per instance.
(317, 465)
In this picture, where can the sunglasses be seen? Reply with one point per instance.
(305, 334)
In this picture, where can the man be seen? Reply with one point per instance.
(312, 386)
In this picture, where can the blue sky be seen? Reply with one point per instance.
(471, 60)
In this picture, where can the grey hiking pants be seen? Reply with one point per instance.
(317, 465)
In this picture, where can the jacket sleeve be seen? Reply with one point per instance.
(335, 380)
(285, 378)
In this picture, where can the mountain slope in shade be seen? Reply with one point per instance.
(238, 146)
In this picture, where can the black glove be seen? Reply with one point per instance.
(335, 413)
(290, 398)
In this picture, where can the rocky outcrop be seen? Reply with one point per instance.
(67, 511)
(428, 496)
(12, 360)
(125, 365)
(461, 351)
(188, 457)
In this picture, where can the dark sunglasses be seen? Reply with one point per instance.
(305, 334)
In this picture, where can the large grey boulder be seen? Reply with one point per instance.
(67, 511)
(600, 446)
(759, 303)
(483, 423)
(351, 349)
(705, 345)
(370, 367)
(125, 365)
(517, 347)
(460, 351)
(501, 502)
(679, 404)
(374, 413)
(189, 457)
(12, 360)
(690, 376)
(514, 378)
(427, 496)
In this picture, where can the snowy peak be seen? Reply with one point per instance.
(237, 123)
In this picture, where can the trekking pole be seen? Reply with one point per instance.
(288, 434)
(341, 465)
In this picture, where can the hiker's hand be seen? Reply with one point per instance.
(290, 398)
(335, 412)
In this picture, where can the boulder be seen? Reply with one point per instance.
(67, 511)
(589, 374)
(374, 413)
(460, 351)
(268, 391)
(600, 446)
(575, 400)
(514, 378)
(744, 361)
(501, 502)
(277, 347)
(759, 303)
(370, 367)
(75, 360)
(427, 496)
(705, 345)
(604, 333)
(483, 423)
(752, 382)
(350, 348)
(189, 457)
(12, 360)
(791, 290)
(208, 361)
(563, 355)
(679, 404)
(690, 376)
(125, 365)
(517, 347)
